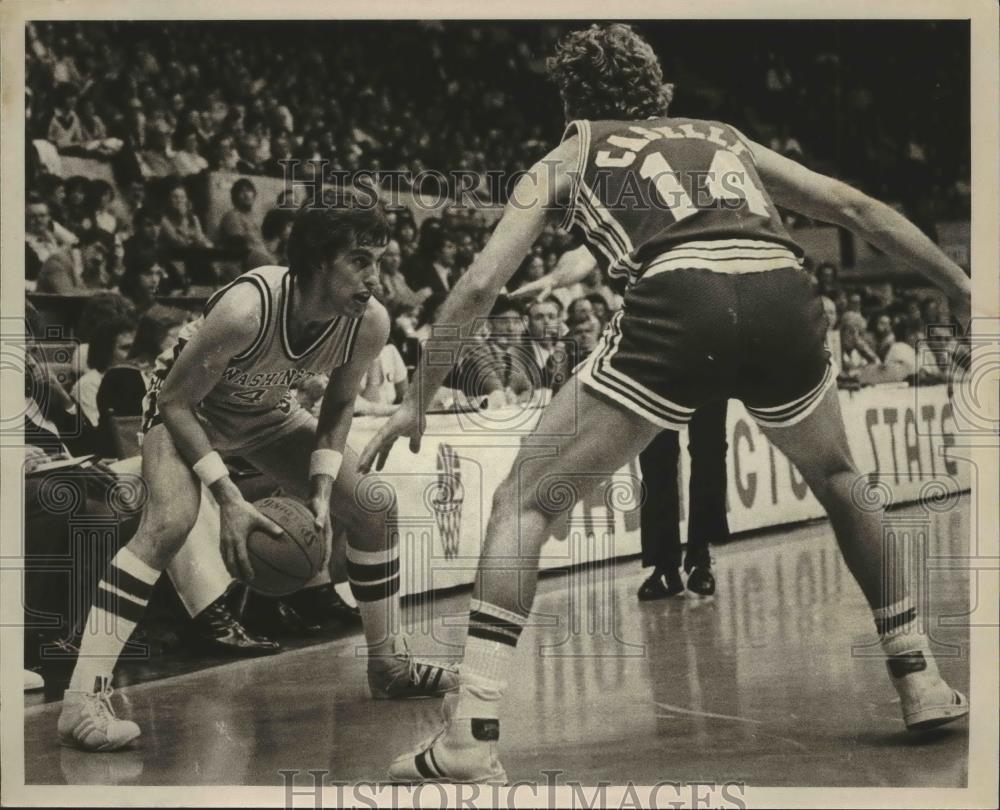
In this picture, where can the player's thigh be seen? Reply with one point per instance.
(581, 440)
(173, 490)
(817, 445)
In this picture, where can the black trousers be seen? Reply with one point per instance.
(660, 514)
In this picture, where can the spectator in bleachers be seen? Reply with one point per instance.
(141, 280)
(395, 290)
(900, 360)
(110, 344)
(77, 215)
(544, 323)
(43, 236)
(826, 279)
(281, 149)
(64, 128)
(275, 229)
(882, 333)
(384, 384)
(92, 127)
(579, 310)
(101, 200)
(187, 155)
(78, 269)
(239, 229)
(155, 159)
(246, 148)
(222, 157)
(432, 266)
(600, 307)
(123, 386)
(855, 351)
(180, 227)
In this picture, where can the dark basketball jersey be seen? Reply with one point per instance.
(679, 191)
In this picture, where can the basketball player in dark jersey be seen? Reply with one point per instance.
(227, 386)
(717, 307)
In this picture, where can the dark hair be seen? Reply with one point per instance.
(144, 215)
(63, 92)
(102, 343)
(101, 307)
(432, 239)
(549, 299)
(96, 190)
(275, 221)
(608, 71)
(323, 231)
(239, 185)
(597, 298)
(152, 329)
(34, 198)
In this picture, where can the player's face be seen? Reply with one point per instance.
(348, 281)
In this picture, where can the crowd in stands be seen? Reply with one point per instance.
(162, 104)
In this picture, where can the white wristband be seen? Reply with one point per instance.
(210, 468)
(325, 462)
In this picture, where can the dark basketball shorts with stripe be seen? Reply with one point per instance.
(686, 337)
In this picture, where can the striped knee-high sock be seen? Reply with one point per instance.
(121, 599)
(906, 649)
(489, 651)
(374, 578)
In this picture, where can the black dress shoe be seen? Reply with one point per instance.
(217, 629)
(701, 581)
(660, 585)
(277, 617)
(321, 604)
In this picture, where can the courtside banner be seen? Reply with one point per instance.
(901, 436)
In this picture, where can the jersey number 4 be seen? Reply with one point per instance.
(725, 167)
(251, 395)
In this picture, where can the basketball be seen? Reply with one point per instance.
(283, 564)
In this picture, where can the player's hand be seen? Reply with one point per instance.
(406, 421)
(537, 289)
(237, 520)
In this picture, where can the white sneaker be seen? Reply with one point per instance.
(88, 721)
(400, 676)
(464, 750)
(33, 681)
(926, 698)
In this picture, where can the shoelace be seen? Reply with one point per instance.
(102, 704)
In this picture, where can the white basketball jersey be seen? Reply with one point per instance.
(254, 392)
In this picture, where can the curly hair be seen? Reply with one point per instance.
(610, 72)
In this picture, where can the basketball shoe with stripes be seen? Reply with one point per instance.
(400, 676)
(464, 750)
(88, 721)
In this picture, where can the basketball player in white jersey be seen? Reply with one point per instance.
(717, 306)
(226, 387)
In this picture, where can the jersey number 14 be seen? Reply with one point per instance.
(738, 186)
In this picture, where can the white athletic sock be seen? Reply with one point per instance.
(374, 578)
(906, 649)
(489, 652)
(121, 600)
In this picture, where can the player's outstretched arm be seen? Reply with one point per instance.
(573, 266)
(793, 186)
(229, 329)
(534, 199)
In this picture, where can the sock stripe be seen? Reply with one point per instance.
(479, 606)
(129, 583)
(120, 592)
(488, 634)
(477, 617)
(372, 557)
(890, 624)
(437, 678)
(127, 561)
(901, 606)
(116, 605)
(374, 593)
(362, 572)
